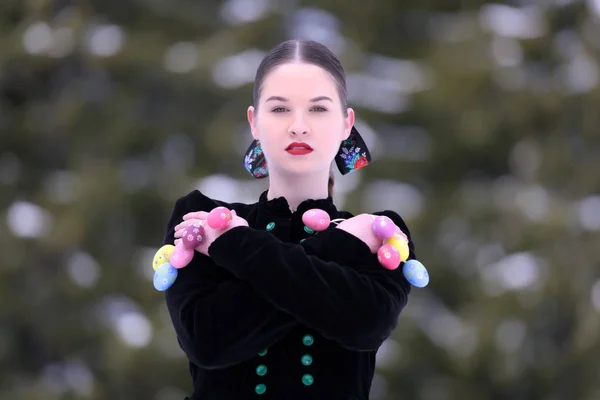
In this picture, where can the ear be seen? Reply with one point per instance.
(252, 121)
(348, 123)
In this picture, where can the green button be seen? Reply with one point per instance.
(308, 379)
(263, 353)
(261, 388)
(308, 230)
(308, 340)
(270, 226)
(261, 370)
(306, 360)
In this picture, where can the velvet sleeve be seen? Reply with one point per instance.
(219, 320)
(353, 300)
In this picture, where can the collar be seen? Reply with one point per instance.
(279, 206)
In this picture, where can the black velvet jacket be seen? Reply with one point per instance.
(277, 312)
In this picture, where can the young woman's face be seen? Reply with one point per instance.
(299, 103)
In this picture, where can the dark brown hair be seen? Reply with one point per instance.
(309, 52)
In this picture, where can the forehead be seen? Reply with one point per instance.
(299, 80)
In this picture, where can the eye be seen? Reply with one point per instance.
(319, 109)
(278, 110)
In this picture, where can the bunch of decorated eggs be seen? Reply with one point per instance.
(392, 252)
(169, 259)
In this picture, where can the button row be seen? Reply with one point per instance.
(306, 360)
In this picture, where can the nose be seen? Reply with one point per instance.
(298, 126)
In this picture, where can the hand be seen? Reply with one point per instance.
(361, 226)
(210, 234)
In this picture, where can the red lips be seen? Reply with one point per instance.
(298, 145)
(299, 149)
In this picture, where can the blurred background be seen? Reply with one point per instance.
(484, 123)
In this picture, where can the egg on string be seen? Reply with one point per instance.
(388, 256)
(399, 244)
(219, 218)
(395, 250)
(383, 227)
(316, 219)
(164, 277)
(162, 255)
(180, 257)
(415, 273)
(169, 258)
(192, 236)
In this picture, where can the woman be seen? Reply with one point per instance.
(269, 309)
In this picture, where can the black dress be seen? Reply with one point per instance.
(280, 312)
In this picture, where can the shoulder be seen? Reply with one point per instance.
(198, 201)
(394, 216)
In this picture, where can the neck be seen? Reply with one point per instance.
(297, 189)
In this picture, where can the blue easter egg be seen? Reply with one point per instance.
(415, 273)
(164, 277)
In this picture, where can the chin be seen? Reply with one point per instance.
(298, 170)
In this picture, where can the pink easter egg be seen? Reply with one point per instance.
(180, 257)
(384, 227)
(316, 219)
(219, 218)
(192, 236)
(388, 257)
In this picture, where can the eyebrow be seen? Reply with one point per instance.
(283, 99)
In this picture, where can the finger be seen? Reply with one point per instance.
(185, 224)
(179, 233)
(233, 213)
(195, 214)
(177, 241)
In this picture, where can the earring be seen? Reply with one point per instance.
(255, 161)
(353, 153)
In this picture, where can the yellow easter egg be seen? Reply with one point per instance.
(400, 244)
(162, 255)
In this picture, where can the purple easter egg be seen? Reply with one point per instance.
(383, 227)
(192, 236)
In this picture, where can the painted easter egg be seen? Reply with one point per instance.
(316, 219)
(180, 257)
(383, 227)
(162, 255)
(219, 218)
(192, 236)
(388, 257)
(415, 273)
(164, 277)
(400, 244)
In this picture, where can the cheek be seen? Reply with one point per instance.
(268, 136)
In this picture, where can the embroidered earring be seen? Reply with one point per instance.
(353, 153)
(255, 161)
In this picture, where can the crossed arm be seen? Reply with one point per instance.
(227, 307)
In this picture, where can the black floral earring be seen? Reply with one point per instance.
(255, 161)
(353, 153)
